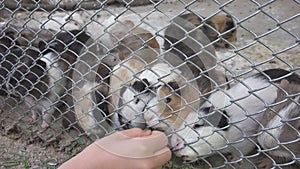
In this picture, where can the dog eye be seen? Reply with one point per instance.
(168, 100)
(206, 110)
(137, 101)
(196, 126)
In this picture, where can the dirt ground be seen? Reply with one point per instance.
(260, 42)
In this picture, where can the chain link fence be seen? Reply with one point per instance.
(220, 78)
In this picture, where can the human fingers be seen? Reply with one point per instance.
(134, 147)
(136, 132)
(156, 162)
(155, 143)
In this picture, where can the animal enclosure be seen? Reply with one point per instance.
(220, 78)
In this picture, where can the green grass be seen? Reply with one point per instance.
(14, 161)
(26, 163)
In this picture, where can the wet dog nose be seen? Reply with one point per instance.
(178, 144)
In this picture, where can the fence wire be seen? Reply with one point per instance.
(220, 78)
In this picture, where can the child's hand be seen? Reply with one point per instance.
(129, 149)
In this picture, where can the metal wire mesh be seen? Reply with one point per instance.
(220, 78)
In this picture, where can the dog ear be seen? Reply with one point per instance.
(223, 123)
(42, 45)
(146, 82)
(284, 85)
(42, 64)
(175, 86)
(44, 49)
(140, 86)
(129, 23)
(229, 23)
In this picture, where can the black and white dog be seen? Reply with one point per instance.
(228, 120)
(40, 76)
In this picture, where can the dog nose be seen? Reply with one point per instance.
(179, 144)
